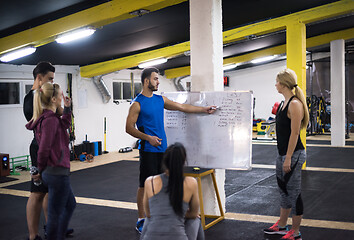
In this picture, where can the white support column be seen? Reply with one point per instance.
(337, 93)
(207, 73)
(206, 45)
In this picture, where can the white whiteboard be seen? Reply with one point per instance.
(220, 140)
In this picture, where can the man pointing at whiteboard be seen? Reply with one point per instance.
(147, 113)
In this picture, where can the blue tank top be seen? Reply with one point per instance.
(151, 121)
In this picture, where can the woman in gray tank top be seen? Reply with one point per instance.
(171, 201)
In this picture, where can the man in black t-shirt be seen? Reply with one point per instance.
(42, 73)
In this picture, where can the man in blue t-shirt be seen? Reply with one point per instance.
(147, 113)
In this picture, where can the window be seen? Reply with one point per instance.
(12, 92)
(137, 88)
(28, 88)
(9, 93)
(122, 90)
(117, 90)
(126, 91)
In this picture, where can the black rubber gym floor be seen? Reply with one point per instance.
(328, 142)
(327, 196)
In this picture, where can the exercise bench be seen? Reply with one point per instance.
(20, 161)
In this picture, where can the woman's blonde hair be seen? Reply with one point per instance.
(43, 98)
(288, 78)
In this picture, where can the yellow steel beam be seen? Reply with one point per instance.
(310, 42)
(131, 61)
(296, 52)
(185, 71)
(296, 59)
(97, 16)
(314, 14)
(178, 72)
(276, 24)
(258, 54)
(328, 37)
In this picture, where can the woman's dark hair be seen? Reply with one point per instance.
(43, 68)
(146, 73)
(173, 160)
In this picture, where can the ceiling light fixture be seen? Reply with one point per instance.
(229, 67)
(263, 59)
(139, 12)
(17, 54)
(187, 53)
(152, 63)
(74, 35)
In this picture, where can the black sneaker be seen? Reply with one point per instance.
(68, 233)
(45, 232)
(36, 238)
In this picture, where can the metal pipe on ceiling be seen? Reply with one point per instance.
(102, 88)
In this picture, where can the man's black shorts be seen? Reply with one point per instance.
(33, 152)
(150, 165)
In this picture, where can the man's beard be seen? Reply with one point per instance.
(152, 87)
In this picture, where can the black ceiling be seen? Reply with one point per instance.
(157, 29)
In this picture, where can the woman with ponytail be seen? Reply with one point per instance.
(54, 156)
(171, 201)
(290, 119)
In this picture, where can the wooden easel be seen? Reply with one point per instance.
(198, 174)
